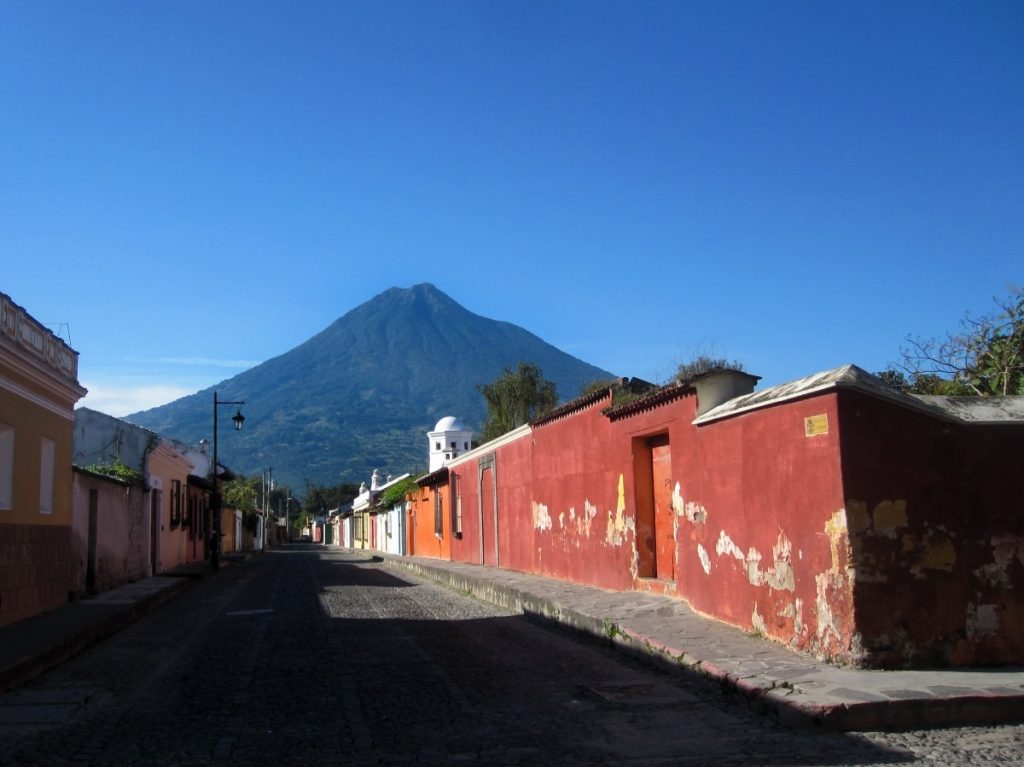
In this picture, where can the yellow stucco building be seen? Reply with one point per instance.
(38, 391)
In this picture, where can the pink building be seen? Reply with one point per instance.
(152, 526)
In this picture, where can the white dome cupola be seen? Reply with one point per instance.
(448, 439)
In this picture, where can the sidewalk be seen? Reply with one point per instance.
(771, 678)
(34, 646)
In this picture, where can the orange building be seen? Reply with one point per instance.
(38, 391)
(429, 522)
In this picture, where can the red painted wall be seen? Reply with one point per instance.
(763, 501)
(484, 539)
(837, 523)
(754, 501)
(556, 496)
(466, 547)
(935, 516)
(752, 492)
(572, 522)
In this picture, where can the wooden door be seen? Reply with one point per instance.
(664, 516)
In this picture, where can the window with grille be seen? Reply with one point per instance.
(6, 467)
(47, 454)
(438, 514)
(175, 502)
(456, 507)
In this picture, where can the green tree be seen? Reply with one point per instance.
(243, 493)
(240, 494)
(319, 498)
(985, 358)
(300, 522)
(516, 397)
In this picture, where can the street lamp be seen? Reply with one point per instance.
(215, 501)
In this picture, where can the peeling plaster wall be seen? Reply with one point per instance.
(578, 479)
(753, 498)
(937, 536)
(836, 523)
(757, 502)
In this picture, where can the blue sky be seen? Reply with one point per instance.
(196, 187)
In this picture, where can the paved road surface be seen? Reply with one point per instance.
(314, 657)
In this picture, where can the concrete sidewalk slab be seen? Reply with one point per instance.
(793, 686)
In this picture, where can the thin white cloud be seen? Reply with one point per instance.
(201, 362)
(120, 401)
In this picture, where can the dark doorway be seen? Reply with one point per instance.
(90, 557)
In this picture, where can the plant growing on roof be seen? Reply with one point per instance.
(117, 470)
(396, 493)
(702, 364)
(623, 390)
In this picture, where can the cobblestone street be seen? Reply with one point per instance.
(305, 656)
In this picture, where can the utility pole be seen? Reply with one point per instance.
(268, 487)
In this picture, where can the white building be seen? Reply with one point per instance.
(390, 523)
(448, 439)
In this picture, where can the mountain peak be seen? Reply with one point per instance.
(363, 393)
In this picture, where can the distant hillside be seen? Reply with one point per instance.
(363, 393)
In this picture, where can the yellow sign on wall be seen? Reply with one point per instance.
(816, 425)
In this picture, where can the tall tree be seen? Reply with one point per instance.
(240, 494)
(320, 498)
(517, 397)
(986, 356)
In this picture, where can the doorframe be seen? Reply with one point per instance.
(488, 462)
(156, 510)
(644, 502)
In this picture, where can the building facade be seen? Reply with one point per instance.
(110, 536)
(832, 514)
(38, 391)
(164, 532)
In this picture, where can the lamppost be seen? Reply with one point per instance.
(215, 501)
